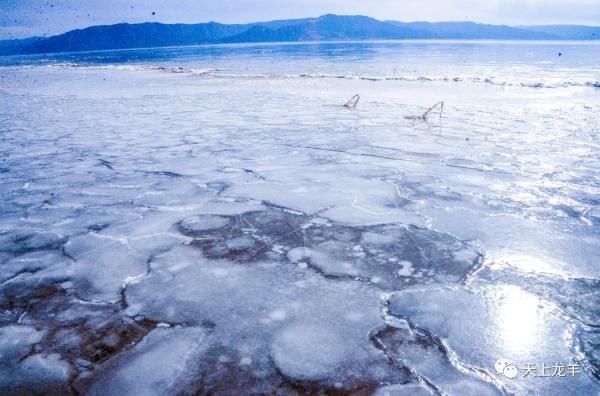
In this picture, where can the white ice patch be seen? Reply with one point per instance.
(240, 243)
(322, 261)
(203, 223)
(278, 314)
(36, 374)
(40, 370)
(22, 372)
(404, 390)
(299, 254)
(166, 361)
(309, 352)
(35, 262)
(406, 268)
(16, 342)
(102, 265)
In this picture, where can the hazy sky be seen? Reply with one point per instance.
(23, 18)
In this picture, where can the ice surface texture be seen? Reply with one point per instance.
(230, 233)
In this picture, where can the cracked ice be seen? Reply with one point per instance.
(223, 233)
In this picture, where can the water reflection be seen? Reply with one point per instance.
(519, 321)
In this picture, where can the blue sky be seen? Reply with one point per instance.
(23, 18)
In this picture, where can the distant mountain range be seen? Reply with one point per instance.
(325, 28)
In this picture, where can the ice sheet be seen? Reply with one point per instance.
(169, 229)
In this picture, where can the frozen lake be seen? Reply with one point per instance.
(213, 220)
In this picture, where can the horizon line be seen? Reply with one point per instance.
(299, 19)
